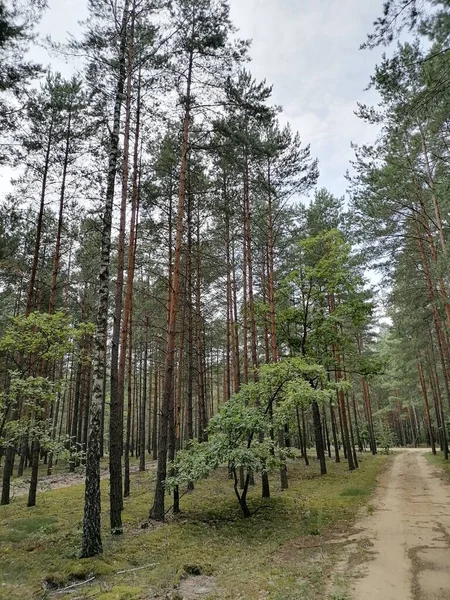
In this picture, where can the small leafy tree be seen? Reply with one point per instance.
(239, 435)
(33, 343)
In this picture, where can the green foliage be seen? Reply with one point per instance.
(232, 440)
(43, 336)
(239, 435)
(323, 302)
(385, 438)
(17, 23)
(32, 343)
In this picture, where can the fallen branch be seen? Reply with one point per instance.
(75, 585)
(259, 508)
(170, 507)
(136, 569)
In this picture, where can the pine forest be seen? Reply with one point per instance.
(224, 323)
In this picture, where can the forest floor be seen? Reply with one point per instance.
(401, 550)
(286, 551)
(60, 478)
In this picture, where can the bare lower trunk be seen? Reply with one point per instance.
(427, 406)
(91, 543)
(7, 472)
(319, 438)
(117, 370)
(142, 421)
(157, 511)
(34, 473)
(128, 445)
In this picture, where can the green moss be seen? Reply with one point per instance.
(246, 557)
(121, 592)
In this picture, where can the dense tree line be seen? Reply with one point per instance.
(168, 293)
(400, 206)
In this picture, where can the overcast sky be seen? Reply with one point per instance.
(308, 50)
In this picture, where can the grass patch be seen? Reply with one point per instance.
(351, 491)
(438, 460)
(248, 558)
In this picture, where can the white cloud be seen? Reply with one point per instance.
(309, 51)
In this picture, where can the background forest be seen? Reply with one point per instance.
(177, 294)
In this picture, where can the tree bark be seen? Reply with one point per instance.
(91, 542)
(157, 511)
(319, 438)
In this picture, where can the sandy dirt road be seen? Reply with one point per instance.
(409, 532)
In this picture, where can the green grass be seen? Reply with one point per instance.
(276, 554)
(351, 491)
(438, 460)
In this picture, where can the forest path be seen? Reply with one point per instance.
(408, 534)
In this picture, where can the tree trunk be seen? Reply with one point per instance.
(352, 437)
(427, 406)
(305, 445)
(236, 365)
(201, 388)
(117, 366)
(337, 458)
(367, 403)
(128, 445)
(355, 417)
(91, 543)
(155, 409)
(57, 257)
(318, 437)
(36, 447)
(37, 243)
(142, 421)
(157, 511)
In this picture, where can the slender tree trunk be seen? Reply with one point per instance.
(341, 396)
(190, 327)
(57, 256)
(367, 403)
(229, 325)
(249, 256)
(355, 417)
(128, 444)
(299, 431)
(155, 408)
(352, 437)
(37, 243)
(337, 458)
(36, 447)
(157, 510)
(326, 440)
(245, 312)
(201, 395)
(117, 366)
(305, 443)
(91, 543)
(440, 405)
(236, 365)
(142, 421)
(318, 437)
